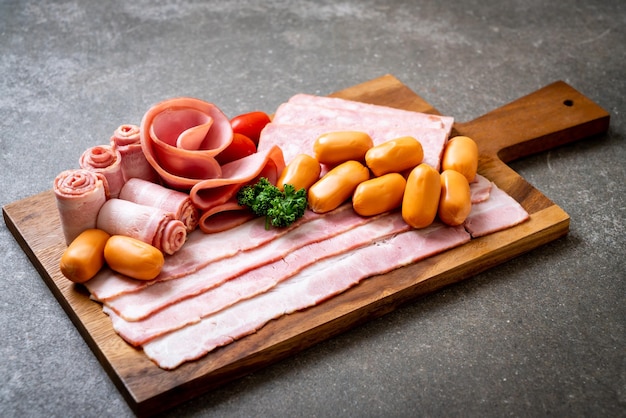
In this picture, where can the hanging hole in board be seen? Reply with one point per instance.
(568, 103)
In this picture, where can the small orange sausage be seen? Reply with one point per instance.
(301, 172)
(378, 195)
(336, 186)
(334, 148)
(394, 156)
(455, 201)
(133, 257)
(84, 257)
(461, 154)
(421, 196)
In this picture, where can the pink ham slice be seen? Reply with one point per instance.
(138, 305)
(180, 138)
(497, 213)
(127, 142)
(307, 288)
(152, 194)
(251, 283)
(145, 223)
(336, 103)
(79, 196)
(107, 161)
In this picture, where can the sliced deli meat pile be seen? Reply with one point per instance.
(226, 273)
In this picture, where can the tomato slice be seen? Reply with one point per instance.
(250, 124)
(240, 147)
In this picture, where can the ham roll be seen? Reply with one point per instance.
(79, 196)
(104, 159)
(152, 194)
(151, 225)
(126, 140)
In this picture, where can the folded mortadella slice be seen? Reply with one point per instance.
(224, 217)
(152, 225)
(180, 138)
(79, 196)
(104, 159)
(126, 140)
(209, 193)
(152, 194)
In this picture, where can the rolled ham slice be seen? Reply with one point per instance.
(146, 223)
(127, 141)
(79, 196)
(180, 138)
(104, 159)
(152, 194)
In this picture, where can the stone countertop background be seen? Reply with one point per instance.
(543, 334)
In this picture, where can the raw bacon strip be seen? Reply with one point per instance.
(79, 196)
(209, 193)
(480, 189)
(335, 102)
(299, 139)
(253, 282)
(499, 212)
(127, 141)
(199, 251)
(107, 161)
(145, 223)
(307, 288)
(180, 138)
(152, 194)
(138, 305)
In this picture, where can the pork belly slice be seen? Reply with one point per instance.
(252, 283)
(299, 139)
(497, 213)
(338, 103)
(316, 283)
(138, 305)
(199, 251)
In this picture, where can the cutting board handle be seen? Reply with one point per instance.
(549, 117)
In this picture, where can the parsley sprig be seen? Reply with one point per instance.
(280, 208)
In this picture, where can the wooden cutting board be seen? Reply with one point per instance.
(555, 115)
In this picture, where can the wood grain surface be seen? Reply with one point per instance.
(551, 116)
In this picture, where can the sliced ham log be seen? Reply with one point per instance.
(497, 213)
(180, 138)
(145, 223)
(138, 305)
(107, 161)
(152, 194)
(250, 283)
(79, 196)
(307, 288)
(127, 142)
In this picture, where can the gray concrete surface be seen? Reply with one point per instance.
(542, 335)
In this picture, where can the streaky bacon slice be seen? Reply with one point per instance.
(79, 195)
(480, 189)
(251, 283)
(497, 213)
(151, 194)
(151, 225)
(107, 161)
(199, 251)
(139, 305)
(307, 288)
